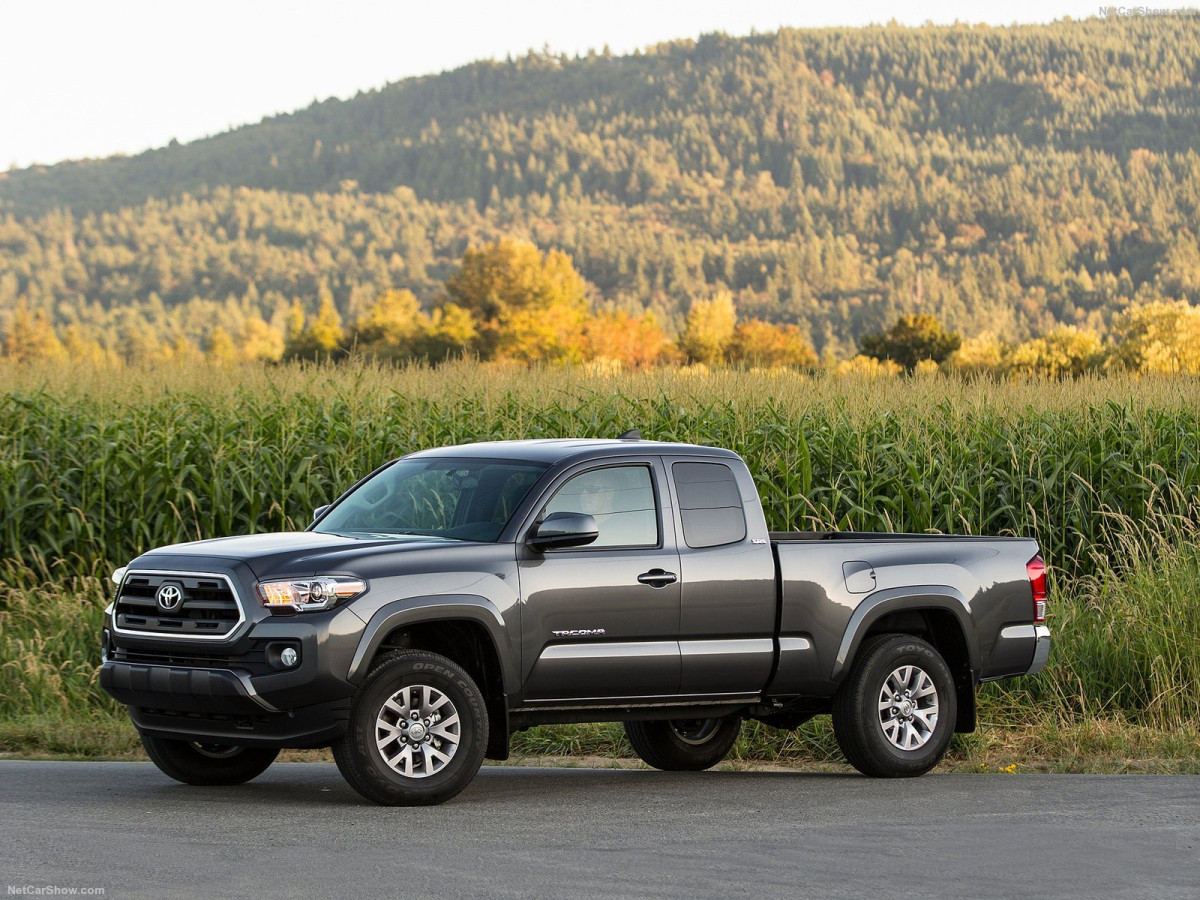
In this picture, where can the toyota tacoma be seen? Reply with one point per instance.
(457, 595)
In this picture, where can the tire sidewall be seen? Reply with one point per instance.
(468, 702)
(903, 652)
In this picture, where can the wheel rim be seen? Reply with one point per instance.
(695, 731)
(908, 708)
(417, 731)
(216, 751)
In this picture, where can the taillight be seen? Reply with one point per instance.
(1036, 569)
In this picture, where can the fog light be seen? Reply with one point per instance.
(289, 657)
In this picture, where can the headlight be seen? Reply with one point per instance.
(309, 594)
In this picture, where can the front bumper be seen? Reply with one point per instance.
(239, 691)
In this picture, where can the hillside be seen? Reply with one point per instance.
(1003, 179)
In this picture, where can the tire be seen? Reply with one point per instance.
(684, 745)
(394, 759)
(883, 731)
(208, 764)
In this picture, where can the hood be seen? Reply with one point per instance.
(300, 553)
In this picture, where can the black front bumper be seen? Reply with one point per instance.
(237, 691)
(217, 705)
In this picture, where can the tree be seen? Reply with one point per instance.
(1161, 337)
(30, 337)
(983, 354)
(709, 328)
(633, 341)
(261, 342)
(320, 337)
(392, 326)
(450, 332)
(760, 343)
(912, 339)
(528, 305)
(1065, 352)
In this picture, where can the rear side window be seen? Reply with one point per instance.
(709, 504)
(622, 500)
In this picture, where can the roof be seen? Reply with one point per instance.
(560, 450)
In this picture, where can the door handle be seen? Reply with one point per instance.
(657, 578)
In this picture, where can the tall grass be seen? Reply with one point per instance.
(96, 467)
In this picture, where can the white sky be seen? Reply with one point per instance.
(90, 79)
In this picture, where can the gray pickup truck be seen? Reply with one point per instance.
(457, 595)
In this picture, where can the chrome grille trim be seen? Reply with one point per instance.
(120, 611)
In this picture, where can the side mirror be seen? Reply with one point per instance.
(320, 511)
(564, 529)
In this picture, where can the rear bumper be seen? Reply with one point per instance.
(1019, 650)
(1041, 649)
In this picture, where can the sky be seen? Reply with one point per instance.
(93, 79)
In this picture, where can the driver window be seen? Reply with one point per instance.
(621, 499)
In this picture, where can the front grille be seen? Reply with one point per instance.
(206, 605)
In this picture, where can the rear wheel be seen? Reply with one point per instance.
(684, 744)
(207, 763)
(418, 731)
(894, 714)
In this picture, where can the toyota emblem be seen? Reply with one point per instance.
(168, 597)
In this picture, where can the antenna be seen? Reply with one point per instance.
(631, 435)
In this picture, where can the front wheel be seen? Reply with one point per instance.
(206, 763)
(684, 744)
(894, 714)
(418, 731)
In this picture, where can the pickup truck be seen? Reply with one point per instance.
(457, 595)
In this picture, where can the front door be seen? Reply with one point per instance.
(601, 622)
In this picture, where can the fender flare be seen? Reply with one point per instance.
(430, 610)
(909, 598)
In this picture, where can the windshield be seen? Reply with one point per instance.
(460, 499)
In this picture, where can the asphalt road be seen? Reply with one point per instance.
(299, 831)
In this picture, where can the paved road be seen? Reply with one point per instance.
(298, 831)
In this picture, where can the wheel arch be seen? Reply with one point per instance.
(468, 630)
(936, 613)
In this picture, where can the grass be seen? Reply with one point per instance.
(96, 467)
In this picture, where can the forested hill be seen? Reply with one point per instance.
(1000, 178)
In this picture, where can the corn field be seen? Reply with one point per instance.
(98, 466)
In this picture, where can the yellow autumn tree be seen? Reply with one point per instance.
(635, 342)
(762, 343)
(320, 337)
(983, 354)
(1162, 337)
(527, 305)
(30, 336)
(1064, 352)
(391, 327)
(450, 332)
(709, 328)
(260, 342)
